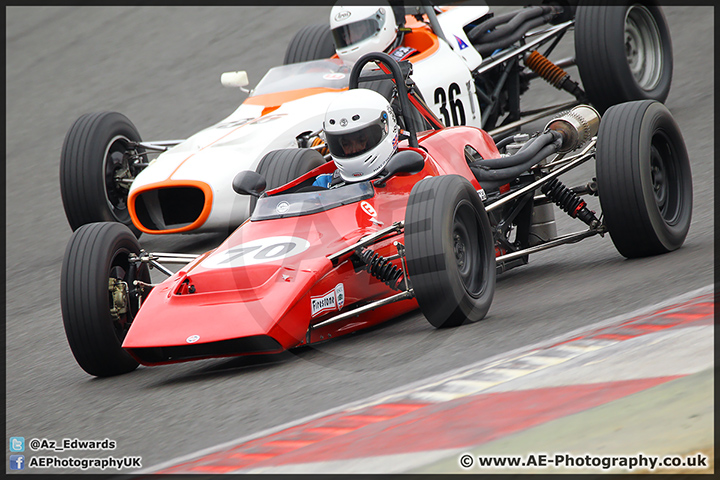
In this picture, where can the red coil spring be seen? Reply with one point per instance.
(537, 62)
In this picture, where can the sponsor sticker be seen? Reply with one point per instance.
(266, 118)
(340, 295)
(334, 76)
(332, 300)
(282, 207)
(401, 53)
(262, 250)
(460, 42)
(234, 123)
(345, 14)
(367, 208)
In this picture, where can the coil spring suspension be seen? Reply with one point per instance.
(569, 202)
(554, 75)
(380, 268)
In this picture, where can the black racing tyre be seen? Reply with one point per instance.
(96, 150)
(282, 166)
(623, 52)
(97, 253)
(313, 42)
(450, 251)
(644, 180)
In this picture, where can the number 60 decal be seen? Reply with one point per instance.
(263, 250)
(456, 107)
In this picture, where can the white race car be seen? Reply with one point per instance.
(469, 65)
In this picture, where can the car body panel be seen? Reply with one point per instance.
(452, 21)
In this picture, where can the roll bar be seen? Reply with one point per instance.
(393, 69)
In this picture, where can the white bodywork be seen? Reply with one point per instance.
(452, 23)
(215, 155)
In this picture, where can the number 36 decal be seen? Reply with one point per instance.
(452, 102)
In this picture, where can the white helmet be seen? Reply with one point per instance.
(361, 133)
(358, 30)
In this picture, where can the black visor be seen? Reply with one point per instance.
(353, 33)
(352, 144)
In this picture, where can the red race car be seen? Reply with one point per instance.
(450, 210)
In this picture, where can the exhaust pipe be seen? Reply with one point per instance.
(576, 127)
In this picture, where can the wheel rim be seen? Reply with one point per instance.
(665, 178)
(116, 168)
(467, 251)
(643, 47)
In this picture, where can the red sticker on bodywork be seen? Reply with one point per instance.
(367, 208)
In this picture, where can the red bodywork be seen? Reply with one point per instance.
(266, 307)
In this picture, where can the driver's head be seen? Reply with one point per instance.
(358, 30)
(354, 143)
(361, 133)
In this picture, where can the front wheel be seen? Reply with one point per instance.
(98, 297)
(97, 165)
(623, 53)
(644, 180)
(450, 251)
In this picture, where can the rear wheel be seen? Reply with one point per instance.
(98, 298)
(313, 42)
(97, 166)
(623, 53)
(283, 166)
(644, 180)
(450, 252)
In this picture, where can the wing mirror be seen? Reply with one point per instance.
(407, 161)
(235, 80)
(249, 182)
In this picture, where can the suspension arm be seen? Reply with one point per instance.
(565, 239)
(583, 157)
(393, 229)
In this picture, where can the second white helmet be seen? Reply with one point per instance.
(361, 133)
(358, 30)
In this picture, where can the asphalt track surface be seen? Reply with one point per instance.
(160, 66)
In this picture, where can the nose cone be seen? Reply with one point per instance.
(171, 319)
(200, 326)
(222, 312)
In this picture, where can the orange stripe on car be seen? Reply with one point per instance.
(276, 99)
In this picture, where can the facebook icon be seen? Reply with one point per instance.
(17, 462)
